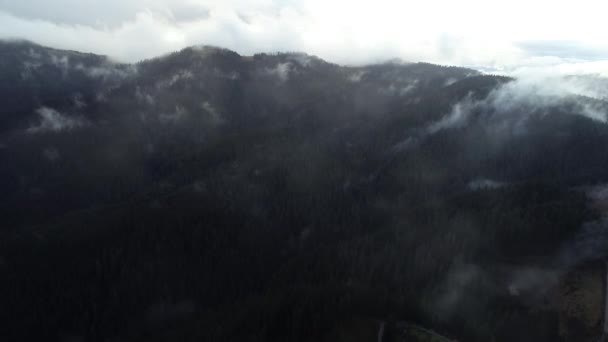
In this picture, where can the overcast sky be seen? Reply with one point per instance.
(503, 35)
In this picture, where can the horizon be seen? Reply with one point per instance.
(389, 60)
(516, 74)
(541, 37)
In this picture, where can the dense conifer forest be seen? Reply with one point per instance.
(208, 196)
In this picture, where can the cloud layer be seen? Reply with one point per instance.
(495, 35)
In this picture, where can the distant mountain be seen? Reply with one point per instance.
(205, 195)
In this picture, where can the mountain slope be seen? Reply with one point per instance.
(205, 195)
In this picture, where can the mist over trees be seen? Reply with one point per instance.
(205, 195)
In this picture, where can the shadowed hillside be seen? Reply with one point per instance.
(205, 195)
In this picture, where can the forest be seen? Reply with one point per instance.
(208, 196)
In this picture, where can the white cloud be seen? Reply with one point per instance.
(457, 118)
(512, 104)
(356, 76)
(538, 91)
(281, 71)
(533, 91)
(490, 34)
(53, 121)
(177, 77)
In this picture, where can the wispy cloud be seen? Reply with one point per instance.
(54, 121)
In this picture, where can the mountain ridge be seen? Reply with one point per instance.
(203, 195)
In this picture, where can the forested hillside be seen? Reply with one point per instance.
(208, 196)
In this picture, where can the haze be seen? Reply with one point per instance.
(495, 36)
